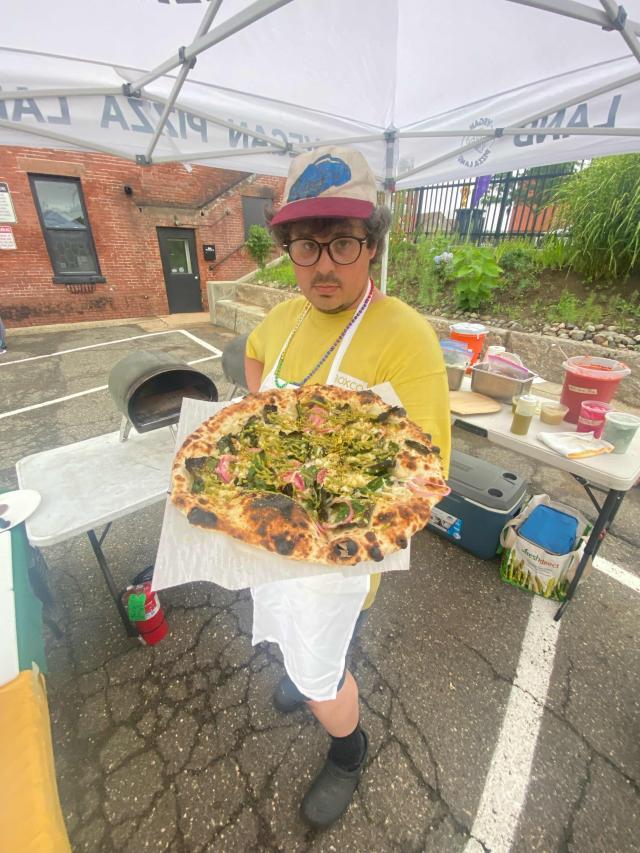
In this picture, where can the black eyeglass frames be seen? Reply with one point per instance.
(305, 252)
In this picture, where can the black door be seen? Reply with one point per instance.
(180, 266)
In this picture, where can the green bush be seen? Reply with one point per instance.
(476, 274)
(554, 251)
(259, 244)
(413, 273)
(601, 207)
(520, 261)
(282, 274)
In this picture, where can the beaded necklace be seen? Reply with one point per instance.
(276, 376)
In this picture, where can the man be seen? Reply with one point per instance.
(341, 331)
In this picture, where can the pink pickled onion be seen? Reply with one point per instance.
(222, 469)
(321, 476)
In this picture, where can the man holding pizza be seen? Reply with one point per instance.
(342, 331)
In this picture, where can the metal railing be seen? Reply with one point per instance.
(485, 209)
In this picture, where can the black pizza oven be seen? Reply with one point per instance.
(148, 387)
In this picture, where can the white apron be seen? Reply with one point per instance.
(311, 619)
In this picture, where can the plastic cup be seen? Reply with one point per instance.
(620, 429)
(591, 417)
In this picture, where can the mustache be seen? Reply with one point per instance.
(328, 278)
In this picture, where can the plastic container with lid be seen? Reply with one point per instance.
(552, 412)
(455, 353)
(620, 429)
(590, 378)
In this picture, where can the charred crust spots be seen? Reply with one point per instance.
(370, 536)
(276, 501)
(345, 548)
(405, 512)
(367, 396)
(410, 463)
(435, 449)
(419, 448)
(401, 541)
(375, 553)
(385, 517)
(202, 518)
(193, 464)
(283, 544)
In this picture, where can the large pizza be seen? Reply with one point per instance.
(316, 473)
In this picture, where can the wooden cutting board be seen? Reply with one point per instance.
(471, 403)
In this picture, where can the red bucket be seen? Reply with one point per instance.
(473, 335)
(590, 378)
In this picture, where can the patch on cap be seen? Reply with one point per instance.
(329, 182)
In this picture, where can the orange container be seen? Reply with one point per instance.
(473, 334)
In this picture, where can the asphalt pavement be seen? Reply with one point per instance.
(492, 727)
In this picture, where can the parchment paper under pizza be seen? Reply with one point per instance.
(317, 474)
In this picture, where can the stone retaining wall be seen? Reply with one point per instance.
(544, 354)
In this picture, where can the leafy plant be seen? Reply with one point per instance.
(282, 274)
(566, 309)
(414, 274)
(259, 244)
(476, 274)
(601, 207)
(554, 251)
(520, 261)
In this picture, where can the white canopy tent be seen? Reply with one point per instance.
(427, 89)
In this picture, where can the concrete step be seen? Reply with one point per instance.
(238, 316)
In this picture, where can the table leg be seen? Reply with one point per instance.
(115, 593)
(604, 520)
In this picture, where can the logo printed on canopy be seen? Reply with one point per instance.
(479, 154)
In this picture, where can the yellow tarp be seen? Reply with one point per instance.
(30, 816)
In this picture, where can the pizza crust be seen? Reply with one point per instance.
(277, 523)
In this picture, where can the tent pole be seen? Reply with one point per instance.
(233, 25)
(627, 29)
(59, 93)
(573, 9)
(583, 96)
(70, 140)
(390, 156)
(187, 65)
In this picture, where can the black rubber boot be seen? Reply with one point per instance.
(331, 792)
(286, 696)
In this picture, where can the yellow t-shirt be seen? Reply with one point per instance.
(393, 343)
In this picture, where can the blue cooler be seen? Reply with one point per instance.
(483, 498)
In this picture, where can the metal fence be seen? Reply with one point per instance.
(485, 209)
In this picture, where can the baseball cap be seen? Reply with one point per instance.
(331, 182)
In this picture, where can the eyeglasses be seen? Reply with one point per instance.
(306, 252)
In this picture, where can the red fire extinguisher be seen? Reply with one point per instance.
(144, 611)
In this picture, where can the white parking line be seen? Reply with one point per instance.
(88, 346)
(192, 337)
(617, 573)
(507, 781)
(217, 354)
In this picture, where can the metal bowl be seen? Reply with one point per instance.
(497, 386)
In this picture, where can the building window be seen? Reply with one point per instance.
(66, 229)
(253, 212)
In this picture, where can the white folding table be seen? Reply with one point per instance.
(92, 483)
(611, 474)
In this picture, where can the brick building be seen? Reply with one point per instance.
(98, 237)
